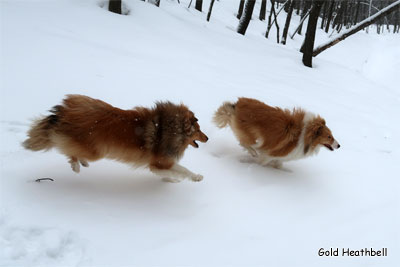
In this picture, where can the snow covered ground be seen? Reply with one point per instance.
(241, 214)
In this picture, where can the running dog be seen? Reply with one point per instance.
(86, 129)
(274, 135)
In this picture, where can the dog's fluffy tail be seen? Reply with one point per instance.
(40, 131)
(224, 115)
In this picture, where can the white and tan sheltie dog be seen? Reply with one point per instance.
(87, 129)
(274, 135)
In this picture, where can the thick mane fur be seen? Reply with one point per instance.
(312, 131)
(166, 130)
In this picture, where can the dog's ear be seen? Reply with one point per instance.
(318, 131)
(188, 122)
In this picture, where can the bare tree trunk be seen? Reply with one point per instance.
(339, 17)
(369, 12)
(308, 44)
(397, 22)
(365, 23)
(325, 10)
(272, 11)
(269, 19)
(388, 23)
(199, 5)
(330, 13)
(115, 6)
(380, 21)
(306, 7)
(297, 6)
(300, 24)
(240, 10)
(245, 19)
(357, 12)
(277, 26)
(287, 23)
(210, 10)
(263, 9)
(345, 13)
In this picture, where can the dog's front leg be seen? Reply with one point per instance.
(251, 150)
(168, 175)
(74, 164)
(176, 174)
(192, 176)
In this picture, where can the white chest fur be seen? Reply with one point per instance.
(296, 153)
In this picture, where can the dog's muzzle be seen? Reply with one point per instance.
(335, 145)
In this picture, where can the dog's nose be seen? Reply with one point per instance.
(338, 145)
(206, 138)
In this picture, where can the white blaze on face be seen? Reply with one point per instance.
(335, 145)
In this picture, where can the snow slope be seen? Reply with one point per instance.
(241, 214)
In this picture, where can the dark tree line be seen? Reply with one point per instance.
(370, 20)
(335, 15)
(308, 45)
(349, 16)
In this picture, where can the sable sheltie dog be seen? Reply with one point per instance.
(87, 129)
(274, 135)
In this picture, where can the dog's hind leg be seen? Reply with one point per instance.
(74, 164)
(252, 149)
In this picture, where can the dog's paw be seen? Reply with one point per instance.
(253, 153)
(276, 164)
(75, 167)
(196, 178)
(84, 163)
(171, 180)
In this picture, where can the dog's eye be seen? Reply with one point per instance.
(329, 137)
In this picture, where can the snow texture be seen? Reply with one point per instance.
(241, 214)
